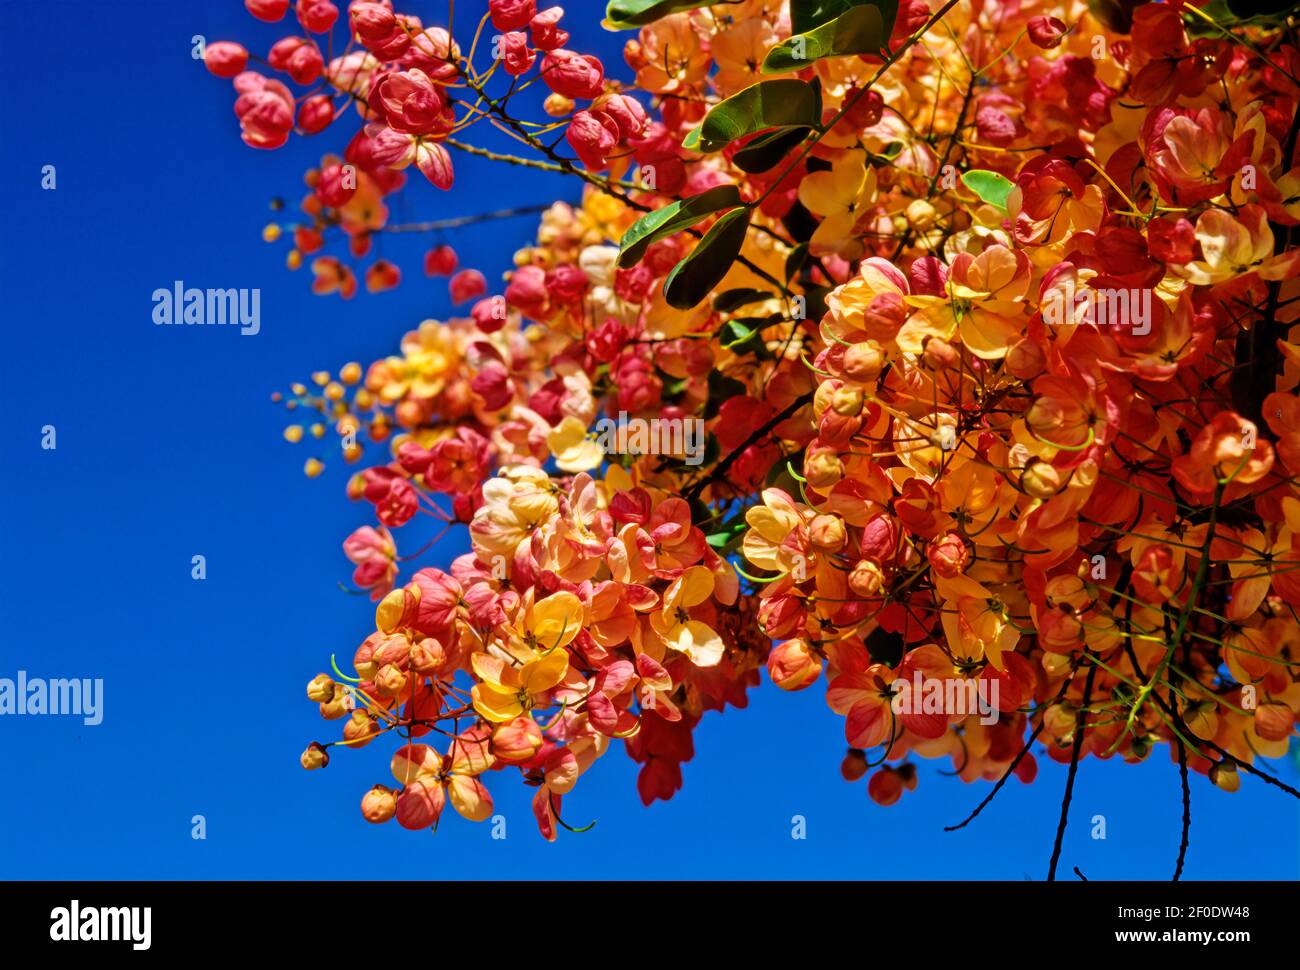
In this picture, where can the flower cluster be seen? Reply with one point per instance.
(985, 310)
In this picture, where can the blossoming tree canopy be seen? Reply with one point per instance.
(985, 311)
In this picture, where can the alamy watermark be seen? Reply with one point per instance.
(957, 696)
(651, 436)
(82, 698)
(240, 308)
(1065, 305)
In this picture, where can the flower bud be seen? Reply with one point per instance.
(867, 578)
(427, 656)
(360, 729)
(557, 105)
(395, 610)
(939, 354)
(517, 740)
(827, 532)
(224, 58)
(321, 689)
(1025, 359)
(847, 400)
(823, 469)
(379, 804)
(1045, 32)
(854, 765)
(1041, 479)
(948, 555)
(315, 756)
(337, 706)
(793, 665)
(391, 680)
(1225, 776)
(863, 362)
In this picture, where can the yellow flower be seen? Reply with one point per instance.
(699, 641)
(533, 662)
(841, 196)
(573, 449)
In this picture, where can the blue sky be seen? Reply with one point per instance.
(168, 447)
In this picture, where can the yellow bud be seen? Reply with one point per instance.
(823, 469)
(293, 260)
(321, 378)
(827, 532)
(847, 401)
(867, 578)
(314, 757)
(334, 391)
(920, 214)
(321, 689)
(298, 389)
(318, 430)
(293, 434)
(1040, 479)
(557, 105)
(864, 361)
(313, 467)
(351, 373)
(271, 232)
(1225, 775)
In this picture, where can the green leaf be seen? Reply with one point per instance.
(766, 150)
(730, 300)
(780, 103)
(989, 186)
(743, 335)
(808, 14)
(622, 14)
(702, 270)
(673, 218)
(862, 29)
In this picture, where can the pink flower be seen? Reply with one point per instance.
(440, 261)
(567, 284)
(638, 386)
(466, 285)
(1045, 32)
(316, 16)
(315, 114)
(333, 188)
(492, 384)
(607, 341)
(593, 137)
(459, 464)
(411, 103)
(527, 292)
(374, 554)
(265, 110)
(547, 34)
(511, 14)
(440, 595)
(371, 21)
(573, 75)
(298, 57)
(489, 315)
(516, 56)
(626, 113)
(224, 58)
(434, 162)
(268, 10)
